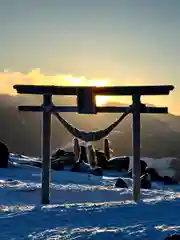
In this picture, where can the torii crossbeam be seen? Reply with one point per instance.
(86, 104)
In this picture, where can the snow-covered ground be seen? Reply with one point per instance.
(83, 207)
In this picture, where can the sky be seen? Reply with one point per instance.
(116, 42)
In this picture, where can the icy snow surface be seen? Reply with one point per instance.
(83, 207)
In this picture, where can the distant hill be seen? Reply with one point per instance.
(160, 134)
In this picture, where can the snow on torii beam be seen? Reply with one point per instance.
(87, 105)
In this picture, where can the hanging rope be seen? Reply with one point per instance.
(94, 135)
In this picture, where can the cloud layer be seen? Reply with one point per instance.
(8, 79)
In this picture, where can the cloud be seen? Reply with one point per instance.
(8, 79)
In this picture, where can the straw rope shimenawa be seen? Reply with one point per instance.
(95, 135)
(77, 149)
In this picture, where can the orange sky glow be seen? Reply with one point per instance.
(8, 79)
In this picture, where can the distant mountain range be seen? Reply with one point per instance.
(160, 134)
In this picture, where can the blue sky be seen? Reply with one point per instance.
(128, 41)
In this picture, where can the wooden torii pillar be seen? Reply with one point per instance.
(86, 104)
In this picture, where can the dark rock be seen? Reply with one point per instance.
(169, 181)
(143, 168)
(97, 171)
(76, 166)
(153, 174)
(58, 153)
(174, 236)
(145, 181)
(4, 155)
(67, 157)
(57, 165)
(119, 163)
(101, 160)
(130, 173)
(36, 164)
(81, 166)
(120, 183)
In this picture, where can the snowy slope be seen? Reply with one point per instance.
(83, 207)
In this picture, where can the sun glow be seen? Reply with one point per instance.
(35, 77)
(100, 100)
(9, 78)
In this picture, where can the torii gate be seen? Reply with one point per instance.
(86, 104)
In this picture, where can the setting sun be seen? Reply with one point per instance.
(100, 100)
(35, 77)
